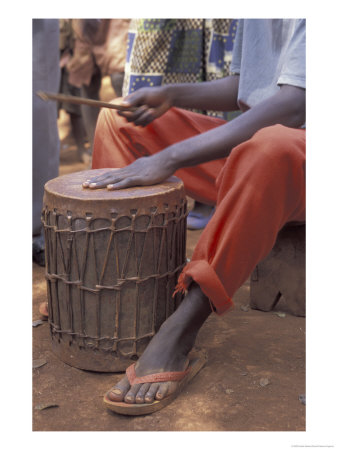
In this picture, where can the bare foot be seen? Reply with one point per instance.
(167, 351)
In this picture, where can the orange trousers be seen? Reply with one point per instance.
(257, 189)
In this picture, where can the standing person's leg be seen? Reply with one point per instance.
(260, 189)
(89, 113)
(46, 144)
(74, 111)
(117, 79)
(79, 134)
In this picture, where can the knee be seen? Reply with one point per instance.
(276, 146)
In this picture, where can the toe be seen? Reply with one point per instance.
(166, 389)
(131, 394)
(139, 398)
(162, 391)
(118, 392)
(150, 395)
(172, 387)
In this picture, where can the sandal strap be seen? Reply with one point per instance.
(155, 377)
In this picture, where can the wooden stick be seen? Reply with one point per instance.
(83, 101)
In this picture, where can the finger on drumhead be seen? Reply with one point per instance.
(123, 184)
(100, 181)
(87, 183)
(96, 184)
(99, 184)
(91, 184)
(90, 181)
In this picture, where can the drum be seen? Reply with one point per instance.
(112, 263)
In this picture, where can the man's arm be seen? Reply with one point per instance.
(217, 95)
(286, 107)
(151, 103)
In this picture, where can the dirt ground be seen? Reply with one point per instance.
(252, 381)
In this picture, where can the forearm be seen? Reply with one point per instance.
(218, 95)
(287, 108)
(150, 103)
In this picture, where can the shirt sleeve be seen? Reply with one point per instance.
(235, 66)
(293, 69)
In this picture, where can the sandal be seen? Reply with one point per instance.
(196, 361)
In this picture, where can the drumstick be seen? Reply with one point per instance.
(82, 101)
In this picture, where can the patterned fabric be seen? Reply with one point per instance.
(163, 51)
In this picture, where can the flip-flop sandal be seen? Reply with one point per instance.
(196, 361)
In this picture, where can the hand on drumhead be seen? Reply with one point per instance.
(150, 103)
(145, 171)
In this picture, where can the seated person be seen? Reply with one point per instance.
(251, 168)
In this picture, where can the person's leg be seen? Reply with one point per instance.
(79, 133)
(261, 188)
(116, 79)
(167, 351)
(90, 114)
(46, 144)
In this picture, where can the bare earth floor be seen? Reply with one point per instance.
(243, 348)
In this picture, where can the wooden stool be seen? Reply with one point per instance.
(280, 277)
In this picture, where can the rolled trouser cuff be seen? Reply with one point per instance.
(204, 275)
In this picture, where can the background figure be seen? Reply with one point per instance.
(99, 50)
(46, 144)
(163, 51)
(74, 112)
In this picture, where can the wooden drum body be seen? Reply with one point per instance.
(112, 263)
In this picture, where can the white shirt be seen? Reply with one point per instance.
(268, 53)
